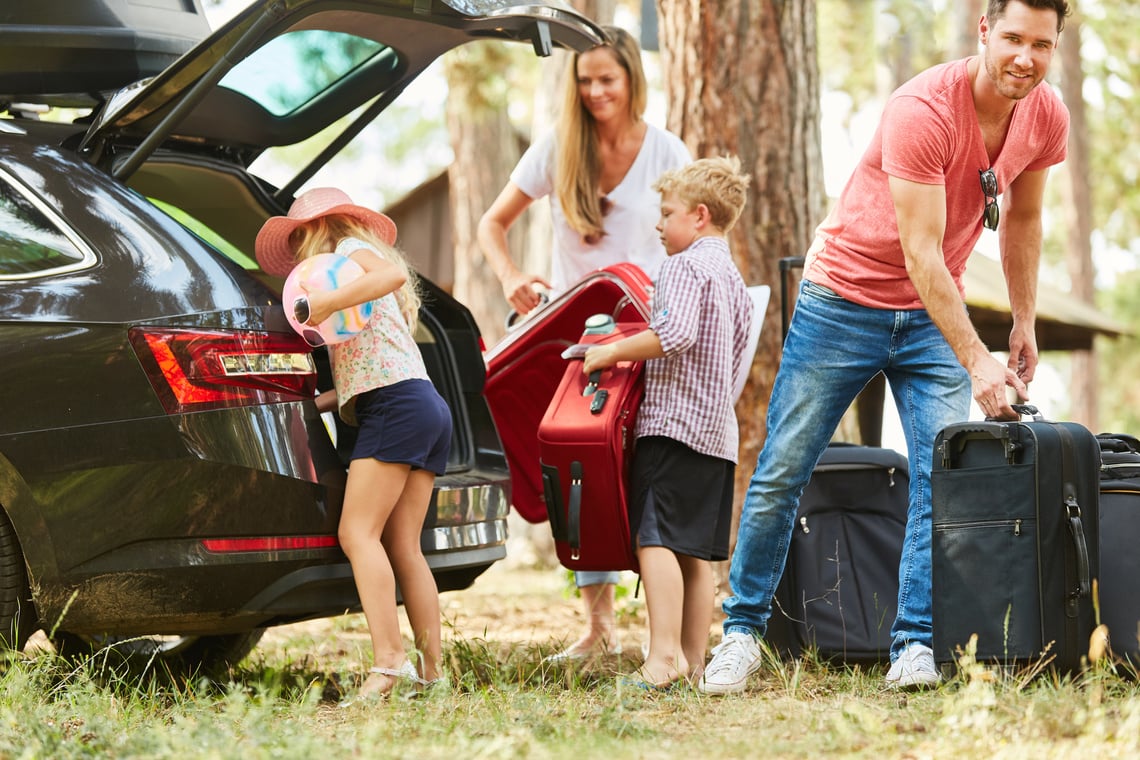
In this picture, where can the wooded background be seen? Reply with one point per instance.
(748, 77)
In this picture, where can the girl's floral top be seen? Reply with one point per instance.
(381, 354)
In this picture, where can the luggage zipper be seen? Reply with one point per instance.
(803, 525)
(1014, 525)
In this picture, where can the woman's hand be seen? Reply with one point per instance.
(524, 291)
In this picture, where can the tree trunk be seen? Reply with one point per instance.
(1078, 249)
(967, 13)
(486, 149)
(763, 108)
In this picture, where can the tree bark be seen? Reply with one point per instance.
(967, 14)
(486, 149)
(1078, 212)
(764, 108)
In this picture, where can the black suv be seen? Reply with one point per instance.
(165, 478)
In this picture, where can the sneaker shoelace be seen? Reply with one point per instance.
(734, 653)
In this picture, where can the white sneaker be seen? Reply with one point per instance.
(734, 659)
(914, 669)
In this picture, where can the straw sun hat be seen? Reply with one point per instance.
(274, 253)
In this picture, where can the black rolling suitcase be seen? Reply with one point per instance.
(1119, 531)
(1014, 544)
(840, 586)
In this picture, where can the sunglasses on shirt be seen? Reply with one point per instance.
(990, 214)
(606, 206)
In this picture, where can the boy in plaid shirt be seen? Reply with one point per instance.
(687, 436)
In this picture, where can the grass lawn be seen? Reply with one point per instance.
(503, 702)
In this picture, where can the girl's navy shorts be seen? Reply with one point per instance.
(680, 499)
(404, 423)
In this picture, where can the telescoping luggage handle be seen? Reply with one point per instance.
(598, 324)
(958, 433)
(574, 512)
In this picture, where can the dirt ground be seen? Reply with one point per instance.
(526, 599)
(510, 604)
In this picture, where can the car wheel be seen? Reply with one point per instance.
(17, 613)
(179, 655)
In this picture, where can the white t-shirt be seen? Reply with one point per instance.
(631, 233)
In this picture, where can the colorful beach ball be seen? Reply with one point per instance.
(323, 272)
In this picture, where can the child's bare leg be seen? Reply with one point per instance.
(401, 539)
(700, 596)
(663, 580)
(369, 498)
(598, 601)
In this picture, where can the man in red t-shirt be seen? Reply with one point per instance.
(882, 292)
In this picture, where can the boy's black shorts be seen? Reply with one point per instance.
(680, 499)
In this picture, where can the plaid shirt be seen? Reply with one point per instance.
(701, 315)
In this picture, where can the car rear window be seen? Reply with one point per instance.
(31, 244)
(292, 70)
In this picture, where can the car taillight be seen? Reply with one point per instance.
(268, 544)
(195, 370)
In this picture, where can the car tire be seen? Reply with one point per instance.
(17, 613)
(183, 656)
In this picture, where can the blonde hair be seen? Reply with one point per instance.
(716, 182)
(322, 234)
(578, 169)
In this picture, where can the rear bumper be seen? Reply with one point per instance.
(201, 596)
(132, 551)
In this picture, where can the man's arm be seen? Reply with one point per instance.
(921, 213)
(1019, 238)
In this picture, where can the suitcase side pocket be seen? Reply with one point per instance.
(984, 562)
(986, 584)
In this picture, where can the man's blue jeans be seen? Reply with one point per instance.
(833, 348)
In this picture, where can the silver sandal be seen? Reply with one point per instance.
(406, 673)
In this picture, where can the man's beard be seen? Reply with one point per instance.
(1014, 89)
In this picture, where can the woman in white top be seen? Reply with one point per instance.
(598, 167)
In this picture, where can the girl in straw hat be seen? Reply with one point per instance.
(404, 425)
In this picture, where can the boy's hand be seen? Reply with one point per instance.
(599, 357)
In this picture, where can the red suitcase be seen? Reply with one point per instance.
(526, 366)
(585, 443)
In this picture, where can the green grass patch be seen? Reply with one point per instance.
(504, 701)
